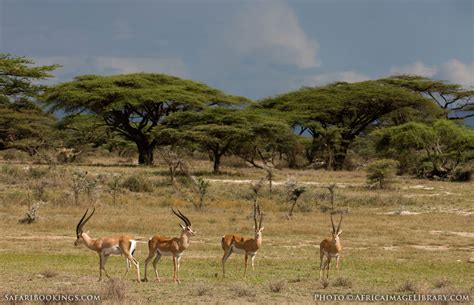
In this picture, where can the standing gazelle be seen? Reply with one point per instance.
(105, 246)
(243, 245)
(165, 246)
(330, 247)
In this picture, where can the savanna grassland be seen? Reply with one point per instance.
(416, 236)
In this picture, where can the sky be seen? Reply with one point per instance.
(249, 48)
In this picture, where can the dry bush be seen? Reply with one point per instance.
(115, 290)
(342, 282)
(277, 286)
(324, 283)
(203, 289)
(408, 286)
(48, 274)
(243, 290)
(137, 184)
(442, 283)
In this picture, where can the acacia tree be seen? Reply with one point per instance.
(23, 125)
(444, 146)
(334, 115)
(456, 102)
(214, 130)
(222, 131)
(135, 104)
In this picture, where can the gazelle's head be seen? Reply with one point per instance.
(80, 225)
(186, 227)
(335, 233)
(258, 217)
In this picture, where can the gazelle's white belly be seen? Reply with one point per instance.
(168, 253)
(331, 254)
(242, 251)
(114, 250)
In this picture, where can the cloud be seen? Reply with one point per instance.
(271, 30)
(343, 76)
(459, 73)
(417, 68)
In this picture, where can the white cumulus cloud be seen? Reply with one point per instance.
(417, 68)
(272, 30)
(458, 72)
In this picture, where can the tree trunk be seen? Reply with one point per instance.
(145, 154)
(340, 156)
(217, 162)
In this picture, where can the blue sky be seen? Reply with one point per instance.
(250, 48)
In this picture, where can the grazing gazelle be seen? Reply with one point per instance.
(243, 245)
(105, 246)
(330, 247)
(165, 246)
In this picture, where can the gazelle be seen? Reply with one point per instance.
(243, 245)
(165, 246)
(330, 247)
(105, 246)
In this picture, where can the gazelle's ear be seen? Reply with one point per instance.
(87, 232)
(339, 233)
(182, 227)
(261, 229)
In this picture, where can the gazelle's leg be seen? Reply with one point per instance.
(252, 260)
(224, 259)
(246, 263)
(175, 263)
(134, 262)
(337, 262)
(147, 260)
(328, 263)
(321, 258)
(178, 259)
(100, 266)
(128, 264)
(103, 260)
(155, 261)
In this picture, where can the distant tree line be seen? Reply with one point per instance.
(414, 120)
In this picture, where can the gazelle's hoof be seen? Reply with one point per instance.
(145, 280)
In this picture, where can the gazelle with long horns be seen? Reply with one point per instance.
(244, 245)
(159, 246)
(105, 246)
(329, 248)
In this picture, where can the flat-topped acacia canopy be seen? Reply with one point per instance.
(134, 104)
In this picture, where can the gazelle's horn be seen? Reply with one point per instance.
(82, 223)
(188, 222)
(180, 217)
(255, 216)
(332, 223)
(78, 227)
(261, 218)
(339, 226)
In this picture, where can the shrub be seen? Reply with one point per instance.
(137, 184)
(115, 290)
(381, 172)
(343, 282)
(277, 286)
(243, 290)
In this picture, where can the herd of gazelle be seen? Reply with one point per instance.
(159, 246)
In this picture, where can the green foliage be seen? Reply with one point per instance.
(455, 101)
(438, 149)
(23, 125)
(222, 131)
(334, 115)
(136, 183)
(135, 104)
(381, 172)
